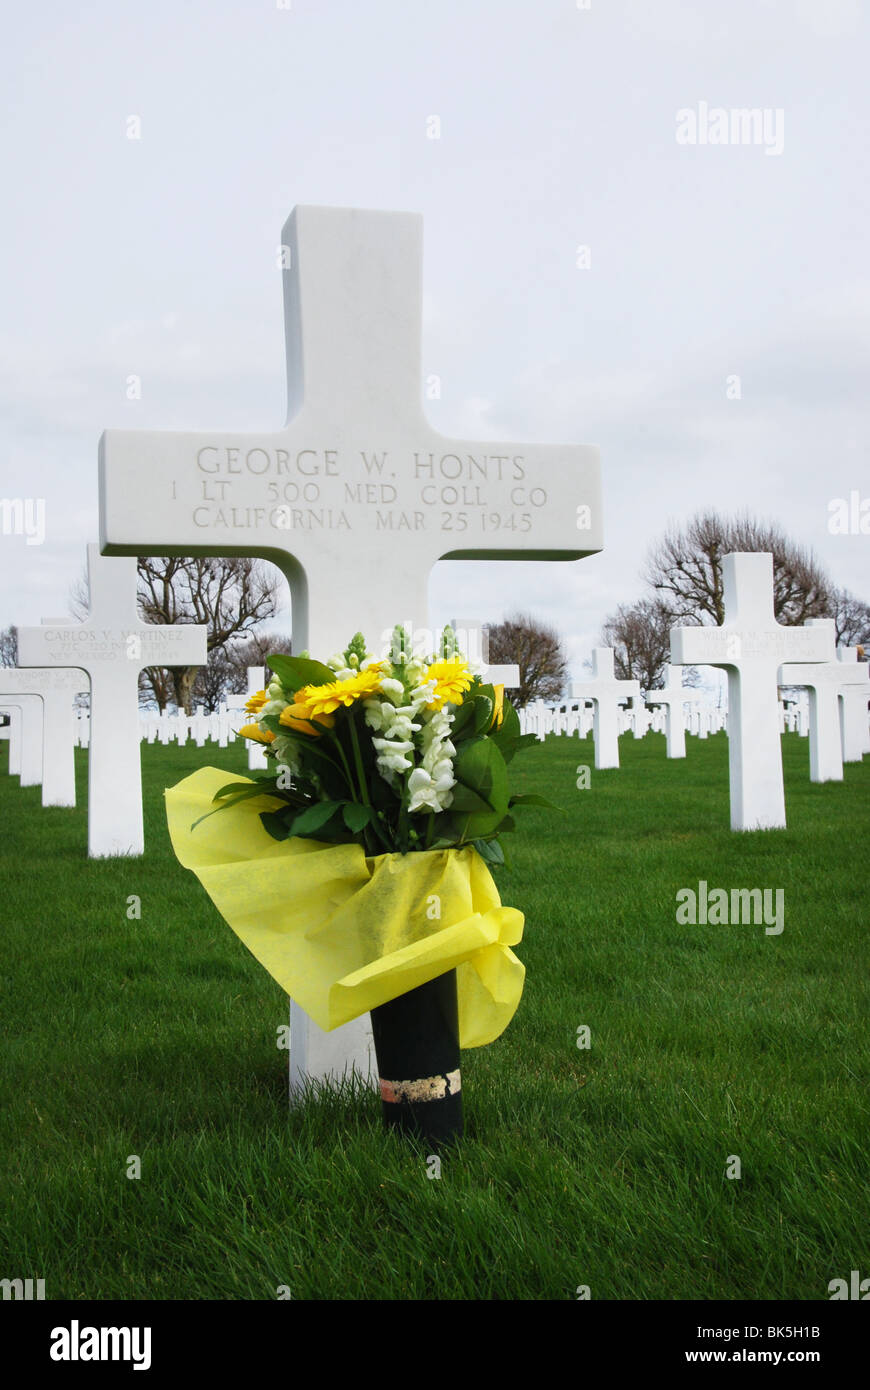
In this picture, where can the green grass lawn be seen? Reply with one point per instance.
(603, 1167)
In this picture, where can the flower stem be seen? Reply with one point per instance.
(347, 772)
(357, 755)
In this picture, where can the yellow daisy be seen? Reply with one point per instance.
(256, 702)
(316, 700)
(452, 678)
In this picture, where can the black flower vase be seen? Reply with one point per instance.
(417, 1044)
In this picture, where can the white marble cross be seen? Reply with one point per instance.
(751, 646)
(639, 717)
(256, 752)
(224, 730)
(607, 694)
(27, 758)
(15, 715)
(112, 647)
(199, 726)
(12, 731)
(533, 720)
(357, 497)
(56, 689)
(826, 682)
(854, 694)
(673, 696)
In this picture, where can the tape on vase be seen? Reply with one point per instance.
(426, 1088)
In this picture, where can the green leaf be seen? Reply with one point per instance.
(532, 799)
(483, 708)
(463, 721)
(490, 851)
(509, 728)
(315, 817)
(511, 747)
(526, 740)
(295, 671)
(276, 824)
(355, 815)
(249, 788)
(265, 787)
(480, 768)
(508, 738)
(469, 802)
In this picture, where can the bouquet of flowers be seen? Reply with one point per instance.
(398, 754)
(358, 871)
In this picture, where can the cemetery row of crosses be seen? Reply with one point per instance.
(390, 497)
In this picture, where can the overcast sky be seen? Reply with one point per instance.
(156, 256)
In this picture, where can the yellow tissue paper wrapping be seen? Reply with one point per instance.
(343, 933)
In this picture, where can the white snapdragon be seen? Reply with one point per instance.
(437, 728)
(415, 741)
(429, 791)
(436, 739)
(373, 710)
(430, 785)
(395, 721)
(393, 756)
(395, 750)
(402, 725)
(424, 691)
(392, 688)
(272, 707)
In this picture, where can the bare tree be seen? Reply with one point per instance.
(537, 649)
(227, 669)
(156, 687)
(254, 651)
(215, 680)
(852, 619)
(685, 569)
(640, 635)
(229, 594)
(9, 646)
